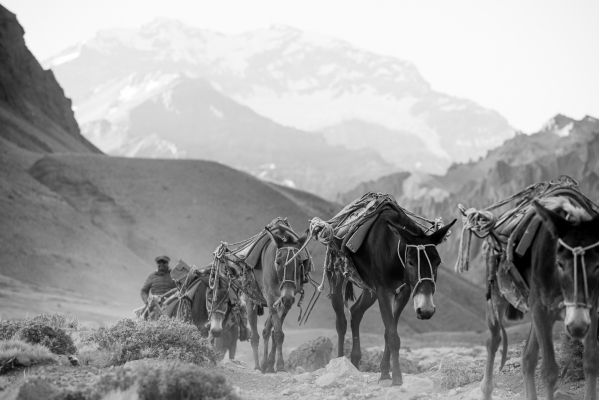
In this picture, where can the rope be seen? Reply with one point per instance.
(579, 252)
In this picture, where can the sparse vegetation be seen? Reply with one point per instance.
(39, 330)
(166, 338)
(34, 352)
(172, 380)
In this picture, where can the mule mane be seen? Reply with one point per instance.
(406, 222)
(572, 211)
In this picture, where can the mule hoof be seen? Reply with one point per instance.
(270, 370)
(397, 383)
(385, 382)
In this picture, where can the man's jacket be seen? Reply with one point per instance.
(158, 283)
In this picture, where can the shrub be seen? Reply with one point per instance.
(165, 338)
(56, 339)
(172, 380)
(35, 352)
(57, 321)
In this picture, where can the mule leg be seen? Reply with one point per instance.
(543, 322)
(399, 304)
(255, 336)
(266, 332)
(493, 340)
(234, 332)
(385, 299)
(280, 337)
(357, 310)
(340, 320)
(591, 358)
(273, 350)
(530, 358)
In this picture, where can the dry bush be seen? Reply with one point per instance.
(172, 380)
(38, 332)
(35, 352)
(166, 338)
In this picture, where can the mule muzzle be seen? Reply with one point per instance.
(577, 321)
(424, 306)
(216, 324)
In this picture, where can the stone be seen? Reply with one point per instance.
(371, 359)
(416, 384)
(458, 370)
(349, 389)
(477, 394)
(563, 395)
(343, 368)
(452, 392)
(299, 370)
(305, 377)
(326, 381)
(311, 355)
(22, 360)
(385, 383)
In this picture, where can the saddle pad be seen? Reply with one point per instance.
(192, 289)
(528, 236)
(171, 308)
(356, 239)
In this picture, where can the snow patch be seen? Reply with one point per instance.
(565, 131)
(65, 58)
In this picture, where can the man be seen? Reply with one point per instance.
(158, 282)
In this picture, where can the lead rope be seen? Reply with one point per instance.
(576, 252)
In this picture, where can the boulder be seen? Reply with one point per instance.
(326, 381)
(562, 395)
(343, 368)
(311, 355)
(23, 360)
(305, 377)
(371, 359)
(416, 384)
(458, 371)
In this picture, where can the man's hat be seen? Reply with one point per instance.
(162, 258)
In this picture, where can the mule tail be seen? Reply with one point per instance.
(259, 309)
(349, 292)
(503, 346)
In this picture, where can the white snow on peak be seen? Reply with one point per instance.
(565, 131)
(61, 59)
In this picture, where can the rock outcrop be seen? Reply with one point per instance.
(312, 355)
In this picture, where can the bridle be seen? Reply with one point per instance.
(292, 252)
(214, 284)
(576, 252)
(419, 248)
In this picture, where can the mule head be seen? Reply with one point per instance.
(419, 256)
(288, 265)
(576, 265)
(217, 303)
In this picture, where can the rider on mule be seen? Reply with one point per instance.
(158, 282)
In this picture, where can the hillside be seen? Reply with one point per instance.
(298, 79)
(188, 118)
(563, 146)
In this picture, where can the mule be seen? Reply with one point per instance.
(561, 268)
(398, 260)
(279, 282)
(211, 312)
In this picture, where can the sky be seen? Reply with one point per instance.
(529, 60)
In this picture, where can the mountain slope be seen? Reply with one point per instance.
(294, 78)
(34, 114)
(193, 120)
(563, 147)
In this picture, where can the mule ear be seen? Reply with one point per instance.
(438, 236)
(555, 223)
(406, 235)
(275, 238)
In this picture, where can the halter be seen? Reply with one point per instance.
(418, 247)
(214, 283)
(293, 252)
(579, 251)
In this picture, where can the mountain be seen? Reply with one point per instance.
(356, 98)
(34, 114)
(201, 123)
(563, 146)
(81, 229)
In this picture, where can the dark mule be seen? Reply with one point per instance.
(211, 312)
(561, 268)
(279, 281)
(397, 259)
